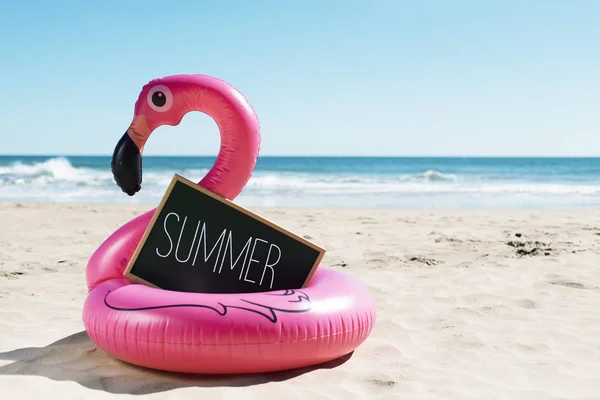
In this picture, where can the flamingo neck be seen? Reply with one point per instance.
(240, 135)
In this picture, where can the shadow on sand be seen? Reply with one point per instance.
(76, 358)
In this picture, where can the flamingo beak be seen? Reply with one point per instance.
(126, 162)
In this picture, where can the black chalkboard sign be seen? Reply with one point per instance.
(198, 241)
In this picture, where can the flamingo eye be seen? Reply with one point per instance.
(160, 98)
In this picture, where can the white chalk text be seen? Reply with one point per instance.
(222, 250)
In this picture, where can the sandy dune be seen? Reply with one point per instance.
(471, 305)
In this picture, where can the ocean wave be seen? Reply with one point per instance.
(274, 183)
(54, 169)
(59, 170)
(58, 179)
(435, 176)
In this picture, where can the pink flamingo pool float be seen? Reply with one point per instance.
(212, 333)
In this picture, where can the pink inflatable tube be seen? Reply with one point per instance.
(212, 333)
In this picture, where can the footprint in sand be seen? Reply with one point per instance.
(11, 274)
(451, 239)
(380, 257)
(369, 222)
(526, 303)
(530, 248)
(382, 382)
(569, 284)
(466, 342)
(424, 260)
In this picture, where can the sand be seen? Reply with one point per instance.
(471, 305)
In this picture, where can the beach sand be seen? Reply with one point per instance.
(470, 305)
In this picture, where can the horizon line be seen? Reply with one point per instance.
(300, 156)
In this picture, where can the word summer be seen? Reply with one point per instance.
(224, 251)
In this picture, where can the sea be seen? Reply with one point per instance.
(346, 182)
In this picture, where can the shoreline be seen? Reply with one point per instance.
(151, 205)
(447, 183)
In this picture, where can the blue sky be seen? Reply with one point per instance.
(325, 77)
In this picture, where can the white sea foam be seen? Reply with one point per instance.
(56, 179)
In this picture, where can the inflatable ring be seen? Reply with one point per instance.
(201, 332)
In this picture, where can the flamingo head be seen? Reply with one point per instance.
(162, 101)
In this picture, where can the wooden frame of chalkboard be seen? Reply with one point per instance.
(177, 178)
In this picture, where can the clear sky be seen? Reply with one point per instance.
(326, 77)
